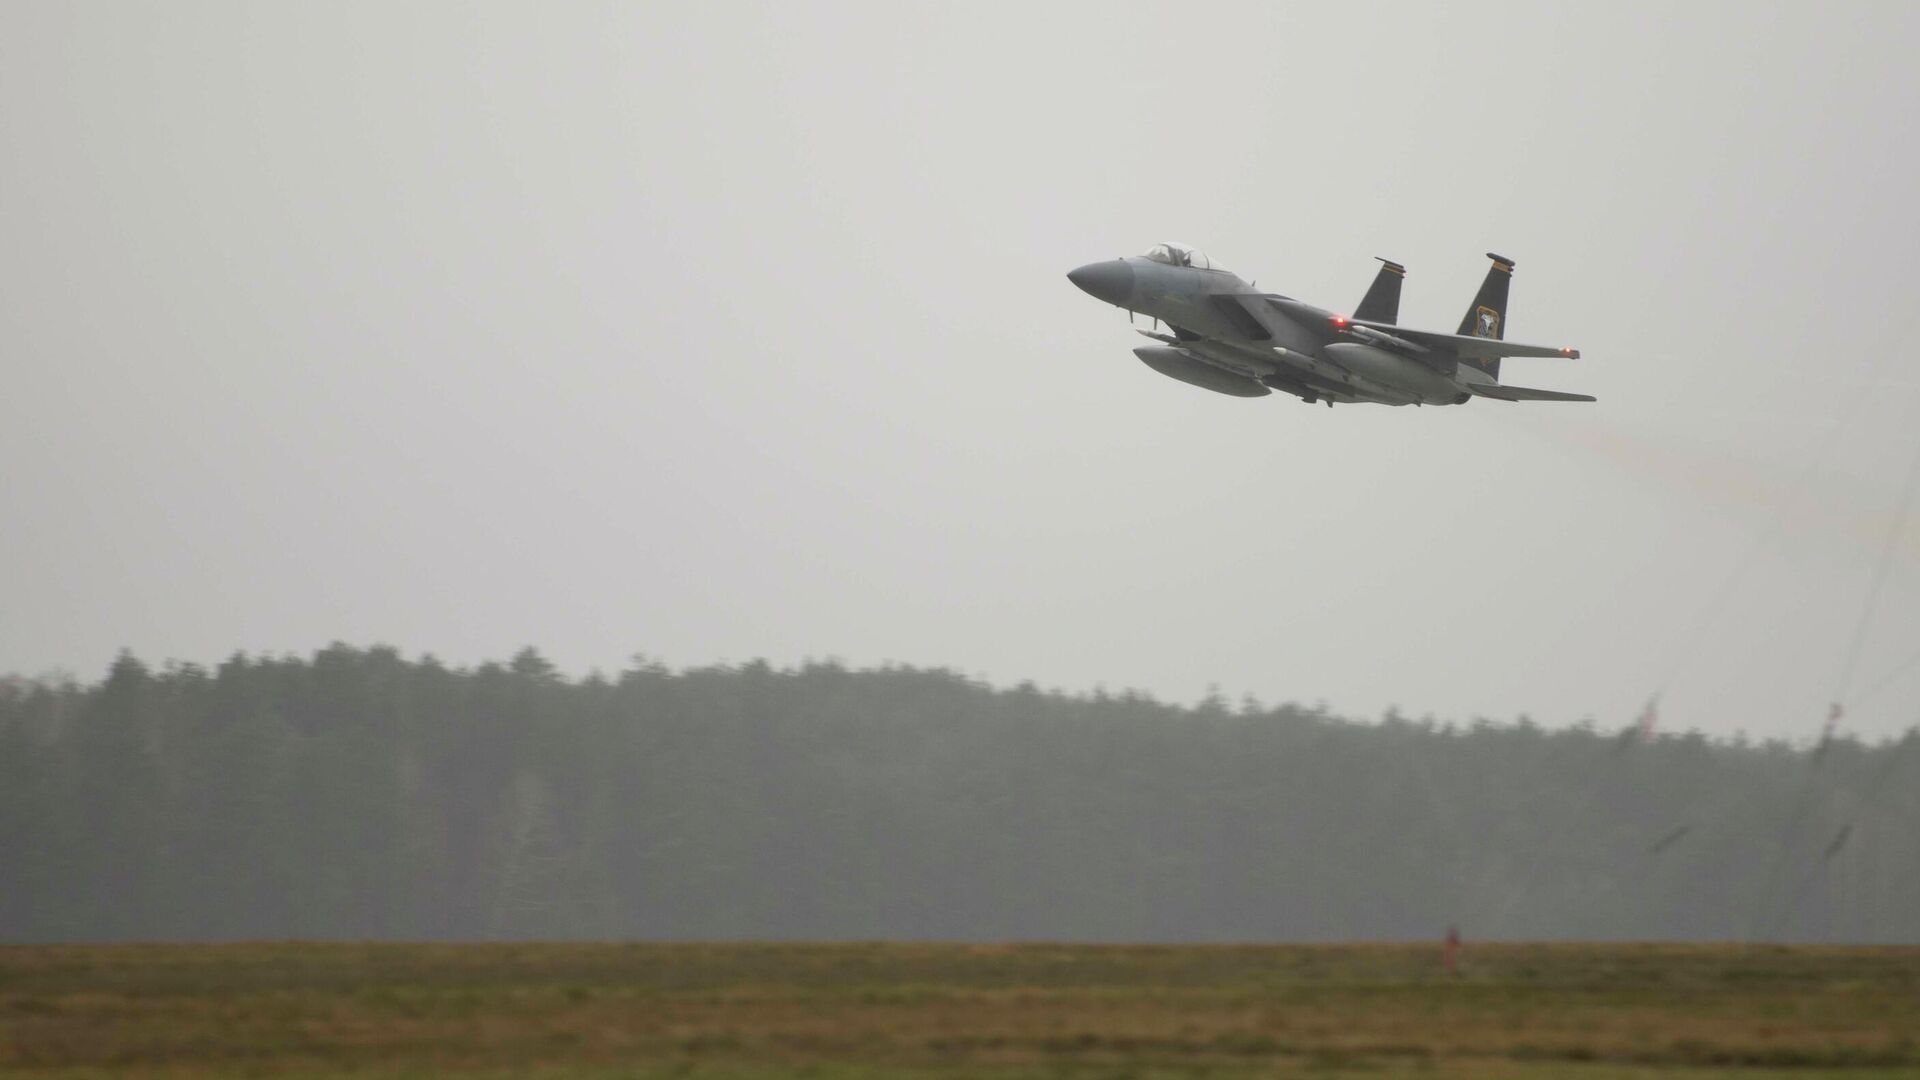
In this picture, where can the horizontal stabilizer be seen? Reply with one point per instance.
(1523, 393)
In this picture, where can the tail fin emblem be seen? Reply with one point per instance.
(1488, 323)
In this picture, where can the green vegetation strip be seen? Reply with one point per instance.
(827, 1011)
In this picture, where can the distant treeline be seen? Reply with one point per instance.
(361, 795)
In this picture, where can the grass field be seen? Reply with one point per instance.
(737, 1012)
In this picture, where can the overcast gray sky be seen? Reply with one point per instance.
(715, 331)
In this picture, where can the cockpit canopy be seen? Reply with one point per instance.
(1180, 255)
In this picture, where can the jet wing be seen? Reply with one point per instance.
(1467, 347)
(1301, 312)
(1522, 393)
(1463, 346)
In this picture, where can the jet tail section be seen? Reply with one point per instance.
(1488, 316)
(1382, 302)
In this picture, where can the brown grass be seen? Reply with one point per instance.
(1032, 1010)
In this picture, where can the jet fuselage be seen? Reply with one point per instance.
(1221, 320)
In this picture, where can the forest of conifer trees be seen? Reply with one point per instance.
(357, 794)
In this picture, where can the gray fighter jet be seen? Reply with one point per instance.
(1231, 338)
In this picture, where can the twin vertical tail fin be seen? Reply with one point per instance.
(1488, 315)
(1382, 302)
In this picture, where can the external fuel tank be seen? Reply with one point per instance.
(1175, 364)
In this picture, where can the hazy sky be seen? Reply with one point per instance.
(714, 331)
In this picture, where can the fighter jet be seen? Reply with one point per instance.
(1229, 337)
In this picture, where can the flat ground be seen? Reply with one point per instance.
(738, 1012)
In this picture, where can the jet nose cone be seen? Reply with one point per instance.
(1111, 281)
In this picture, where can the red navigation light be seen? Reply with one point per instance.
(1340, 320)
